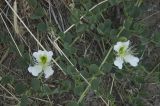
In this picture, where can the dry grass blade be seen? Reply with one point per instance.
(83, 35)
(13, 26)
(110, 92)
(10, 93)
(11, 35)
(4, 56)
(15, 20)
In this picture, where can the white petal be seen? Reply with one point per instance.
(117, 46)
(132, 60)
(48, 71)
(119, 62)
(121, 44)
(126, 44)
(35, 70)
(38, 54)
(49, 56)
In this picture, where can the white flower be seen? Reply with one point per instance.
(124, 54)
(42, 64)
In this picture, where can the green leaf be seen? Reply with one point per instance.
(103, 7)
(101, 28)
(135, 12)
(75, 16)
(87, 4)
(139, 28)
(126, 33)
(83, 61)
(131, 10)
(66, 85)
(92, 26)
(70, 70)
(144, 40)
(107, 67)
(20, 88)
(157, 36)
(81, 28)
(5, 38)
(68, 37)
(73, 103)
(23, 61)
(32, 3)
(105, 28)
(159, 76)
(42, 27)
(24, 101)
(36, 84)
(92, 18)
(56, 91)
(38, 13)
(113, 34)
(119, 75)
(79, 88)
(69, 50)
(95, 84)
(128, 23)
(93, 68)
(114, 2)
(47, 90)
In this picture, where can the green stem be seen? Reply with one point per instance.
(85, 91)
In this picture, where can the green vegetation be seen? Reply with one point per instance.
(82, 35)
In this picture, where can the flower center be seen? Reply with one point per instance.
(43, 59)
(122, 51)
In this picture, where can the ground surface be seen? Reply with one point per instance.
(9, 61)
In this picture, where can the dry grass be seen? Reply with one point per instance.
(15, 20)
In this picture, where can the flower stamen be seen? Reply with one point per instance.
(43, 59)
(122, 51)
